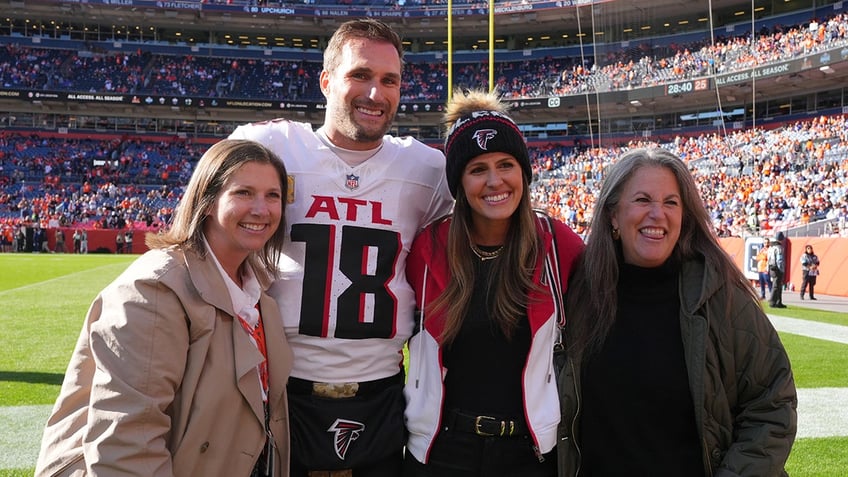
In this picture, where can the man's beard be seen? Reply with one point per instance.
(350, 128)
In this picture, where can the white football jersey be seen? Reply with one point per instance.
(346, 305)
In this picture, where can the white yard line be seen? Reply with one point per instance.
(822, 412)
(811, 329)
(20, 437)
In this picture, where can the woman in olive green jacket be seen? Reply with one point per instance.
(673, 367)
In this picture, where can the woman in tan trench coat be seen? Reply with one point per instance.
(171, 375)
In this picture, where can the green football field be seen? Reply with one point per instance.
(44, 298)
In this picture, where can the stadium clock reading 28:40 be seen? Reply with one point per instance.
(687, 86)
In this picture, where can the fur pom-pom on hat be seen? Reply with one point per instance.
(478, 123)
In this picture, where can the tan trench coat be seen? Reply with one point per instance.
(163, 379)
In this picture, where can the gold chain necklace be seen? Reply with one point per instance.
(484, 255)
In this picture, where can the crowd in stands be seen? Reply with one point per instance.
(632, 68)
(639, 66)
(113, 183)
(146, 73)
(642, 65)
(752, 181)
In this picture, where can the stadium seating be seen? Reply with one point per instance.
(752, 181)
(248, 78)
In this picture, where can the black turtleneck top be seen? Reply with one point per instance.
(637, 416)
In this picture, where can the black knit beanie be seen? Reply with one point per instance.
(478, 133)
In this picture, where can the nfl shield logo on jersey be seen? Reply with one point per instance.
(352, 181)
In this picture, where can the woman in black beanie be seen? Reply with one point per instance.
(481, 393)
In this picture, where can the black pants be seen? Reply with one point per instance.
(808, 280)
(462, 454)
(776, 288)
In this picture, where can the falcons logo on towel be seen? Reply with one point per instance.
(345, 432)
(482, 136)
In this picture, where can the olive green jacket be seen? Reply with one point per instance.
(739, 375)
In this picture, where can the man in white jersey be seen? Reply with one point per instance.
(357, 198)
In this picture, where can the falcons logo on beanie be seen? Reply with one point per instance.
(482, 137)
(345, 432)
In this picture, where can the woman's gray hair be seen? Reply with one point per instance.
(696, 224)
(592, 295)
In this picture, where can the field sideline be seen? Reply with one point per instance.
(45, 298)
